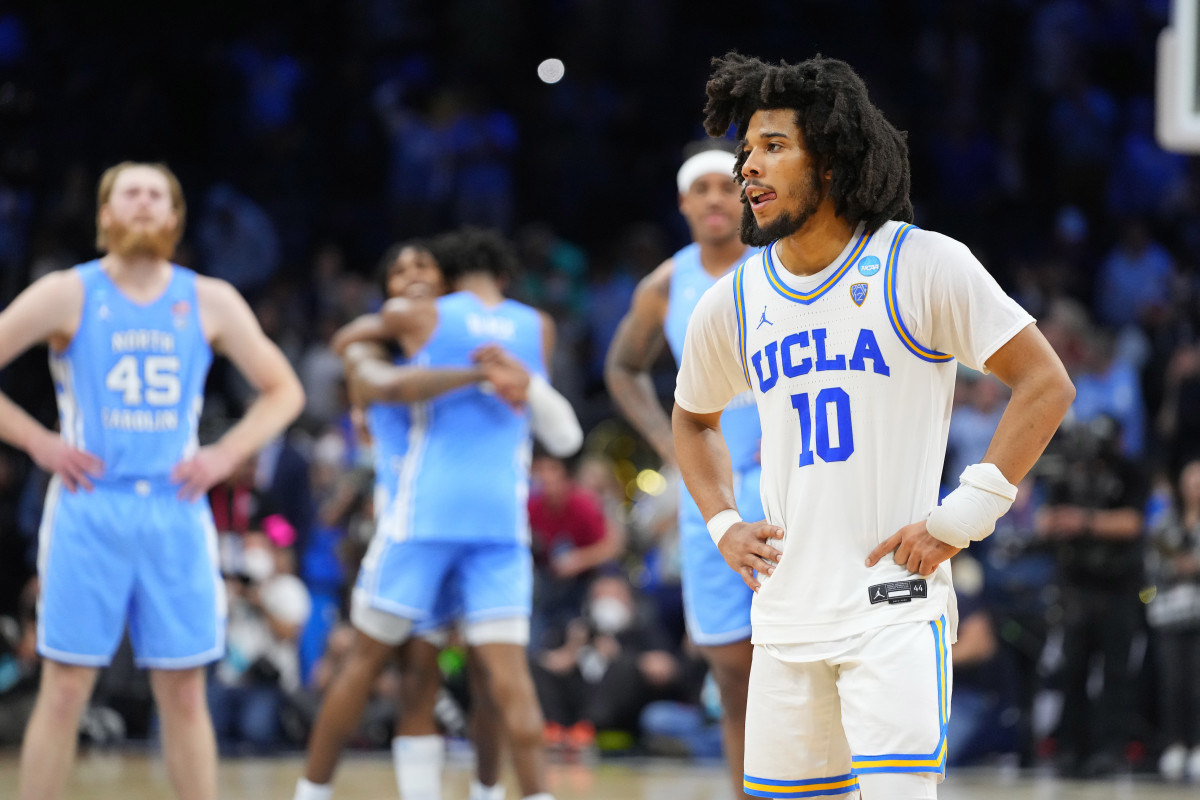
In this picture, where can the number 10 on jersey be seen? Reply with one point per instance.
(819, 409)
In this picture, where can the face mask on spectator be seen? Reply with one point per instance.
(609, 615)
(258, 564)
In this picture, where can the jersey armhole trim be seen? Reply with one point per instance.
(893, 305)
(739, 304)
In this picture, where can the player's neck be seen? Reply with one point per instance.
(483, 286)
(718, 257)
(815, 246)
(141, 278)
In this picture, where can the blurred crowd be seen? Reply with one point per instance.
(313, 138)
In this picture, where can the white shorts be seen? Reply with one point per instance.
(820, 715)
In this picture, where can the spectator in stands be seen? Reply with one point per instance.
(978, 727)
(973, 422)
(1135, 277)
(260, 668)
(1179, 417)
(19, 666)
(1093, 517)
(571, 540)
(605, 666)
(1173, 563)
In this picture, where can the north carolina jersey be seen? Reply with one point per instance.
(853, 371)
(465, 474)
(130, 384)
(389, 427)
(689, 281)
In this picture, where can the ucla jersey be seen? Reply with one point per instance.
(739, 422)
(465, 474)
(130, 385)
(837, 367)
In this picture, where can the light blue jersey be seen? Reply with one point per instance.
(131, 383)
(740, 422)
(130, 554)
(716, 602)
(389, 427)
(389, 424)
(453, 539)
(465, 474)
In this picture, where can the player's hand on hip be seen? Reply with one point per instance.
(73, 466)
(747, 548)
(914, 548)
(204, 470)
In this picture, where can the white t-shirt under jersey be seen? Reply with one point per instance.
(853, 374)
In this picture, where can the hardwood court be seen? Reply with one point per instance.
(124, 776)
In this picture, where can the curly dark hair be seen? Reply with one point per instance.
(842, 130)
(387, 261)
(470, 250)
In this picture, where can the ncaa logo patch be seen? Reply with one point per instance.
(179, 310)
(868, 265)
(858, 293)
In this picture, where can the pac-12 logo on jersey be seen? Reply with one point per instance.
(858, 293)
(868, 265)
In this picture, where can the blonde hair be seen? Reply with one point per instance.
(109, 179)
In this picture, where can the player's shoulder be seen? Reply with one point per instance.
(928, 246)
(215, 296)
(720, 298)
(212, 288)
(69, 279)
(60, 286)
(652, 294)
(658, 280)
(526, 309)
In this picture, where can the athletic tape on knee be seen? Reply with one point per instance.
(969, 513)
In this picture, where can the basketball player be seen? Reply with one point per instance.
(458, 518)
(374, 380)
(853, 376)
(127, 535)
(716, 603)
(385, 387)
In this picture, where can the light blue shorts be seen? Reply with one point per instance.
(716, 602)
(431, 582)
(129, 553)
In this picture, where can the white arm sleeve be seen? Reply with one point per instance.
(553, 420)
(952, 303)
(711, 373)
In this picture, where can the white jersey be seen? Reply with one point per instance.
(853, 373)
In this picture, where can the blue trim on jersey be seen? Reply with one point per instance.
(739, 304)
(919, 762)
(893, 305)
(808, 297)
(812, 787)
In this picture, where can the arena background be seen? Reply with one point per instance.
(310, 135)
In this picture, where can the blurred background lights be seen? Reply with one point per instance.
(551, 70)
(651, 482)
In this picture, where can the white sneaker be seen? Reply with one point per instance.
(1173, 762)
(1193, 764)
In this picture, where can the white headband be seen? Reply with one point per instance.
(703, 163)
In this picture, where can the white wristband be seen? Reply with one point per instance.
(721, 523)
(969, 513)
